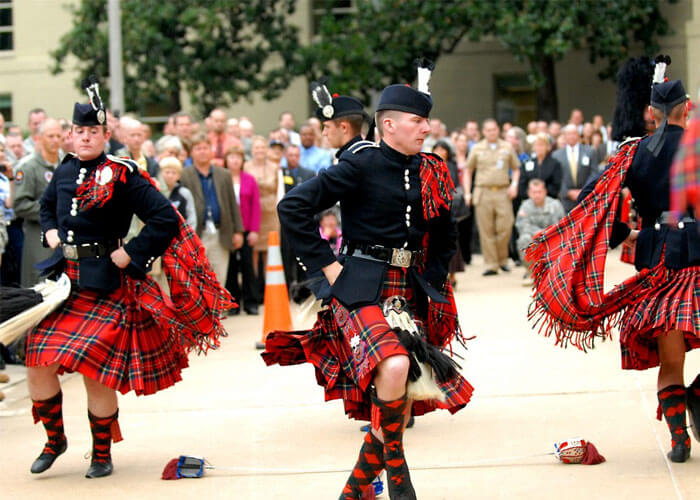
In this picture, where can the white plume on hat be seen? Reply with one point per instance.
(425, 70)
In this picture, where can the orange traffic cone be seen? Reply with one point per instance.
(276, 315)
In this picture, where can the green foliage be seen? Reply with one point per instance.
(531, 30)
(377, 44)
(218, 51)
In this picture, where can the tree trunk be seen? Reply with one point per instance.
(174, 98)
(547, 102)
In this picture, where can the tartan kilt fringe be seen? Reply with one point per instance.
(345, 369)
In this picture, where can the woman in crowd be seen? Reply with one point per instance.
(465, 222)
(266, 176)
(241, 261)
(517, 138)
(540, 165)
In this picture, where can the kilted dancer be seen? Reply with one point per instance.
(117, 328)
(657, 310)
(399, 237)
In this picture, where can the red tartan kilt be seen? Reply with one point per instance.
(108, 338)
(673, 304)
(346, 371)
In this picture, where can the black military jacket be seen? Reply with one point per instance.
(136, 196)
(379, 191)
(648, 179)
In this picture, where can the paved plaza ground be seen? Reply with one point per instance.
(278, 440)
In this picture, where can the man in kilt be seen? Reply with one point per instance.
(655, 310)
(399, 237)
(116, 328)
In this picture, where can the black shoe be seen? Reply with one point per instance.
(411, 422)
(505, 269)
(252, 310)
(679, 453)
(234, 312)
(99, 469)
(46, 460)
(490, 272)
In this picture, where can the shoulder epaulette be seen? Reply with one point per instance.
(629, 140)
(361, 145)
(130, 164)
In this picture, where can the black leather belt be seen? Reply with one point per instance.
(77, 252)
(399, 257)
(666, 219)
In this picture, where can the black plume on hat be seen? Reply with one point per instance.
(633, 94)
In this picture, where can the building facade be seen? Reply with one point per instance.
(476, 81)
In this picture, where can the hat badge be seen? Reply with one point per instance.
(101, 116)
(327, 111)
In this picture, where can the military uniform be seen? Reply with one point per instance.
(532, 219)
(116, 327)
(398, 238)
(570, 258)
(32, 176)
(494, 209)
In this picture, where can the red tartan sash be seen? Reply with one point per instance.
(197, 300)
(436, 193)
(435, 186)
(569, 263)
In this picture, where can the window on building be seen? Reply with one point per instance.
(336, 8)
(6, 29)
(515, 99)
(6, 107)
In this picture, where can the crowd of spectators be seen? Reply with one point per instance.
(225, 179)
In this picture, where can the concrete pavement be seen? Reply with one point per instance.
(278, 438)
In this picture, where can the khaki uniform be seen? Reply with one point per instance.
(494, 209)
(32, 176)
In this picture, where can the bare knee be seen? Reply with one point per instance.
(394, 368)
(38, 374)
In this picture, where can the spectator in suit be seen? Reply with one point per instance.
(241, 260)
(554, 130)
(221, 140)
(219, 223)
(578, 163)
(294, 173)
(576, 118)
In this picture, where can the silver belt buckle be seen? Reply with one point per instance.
(70, 252)
(401, 257)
